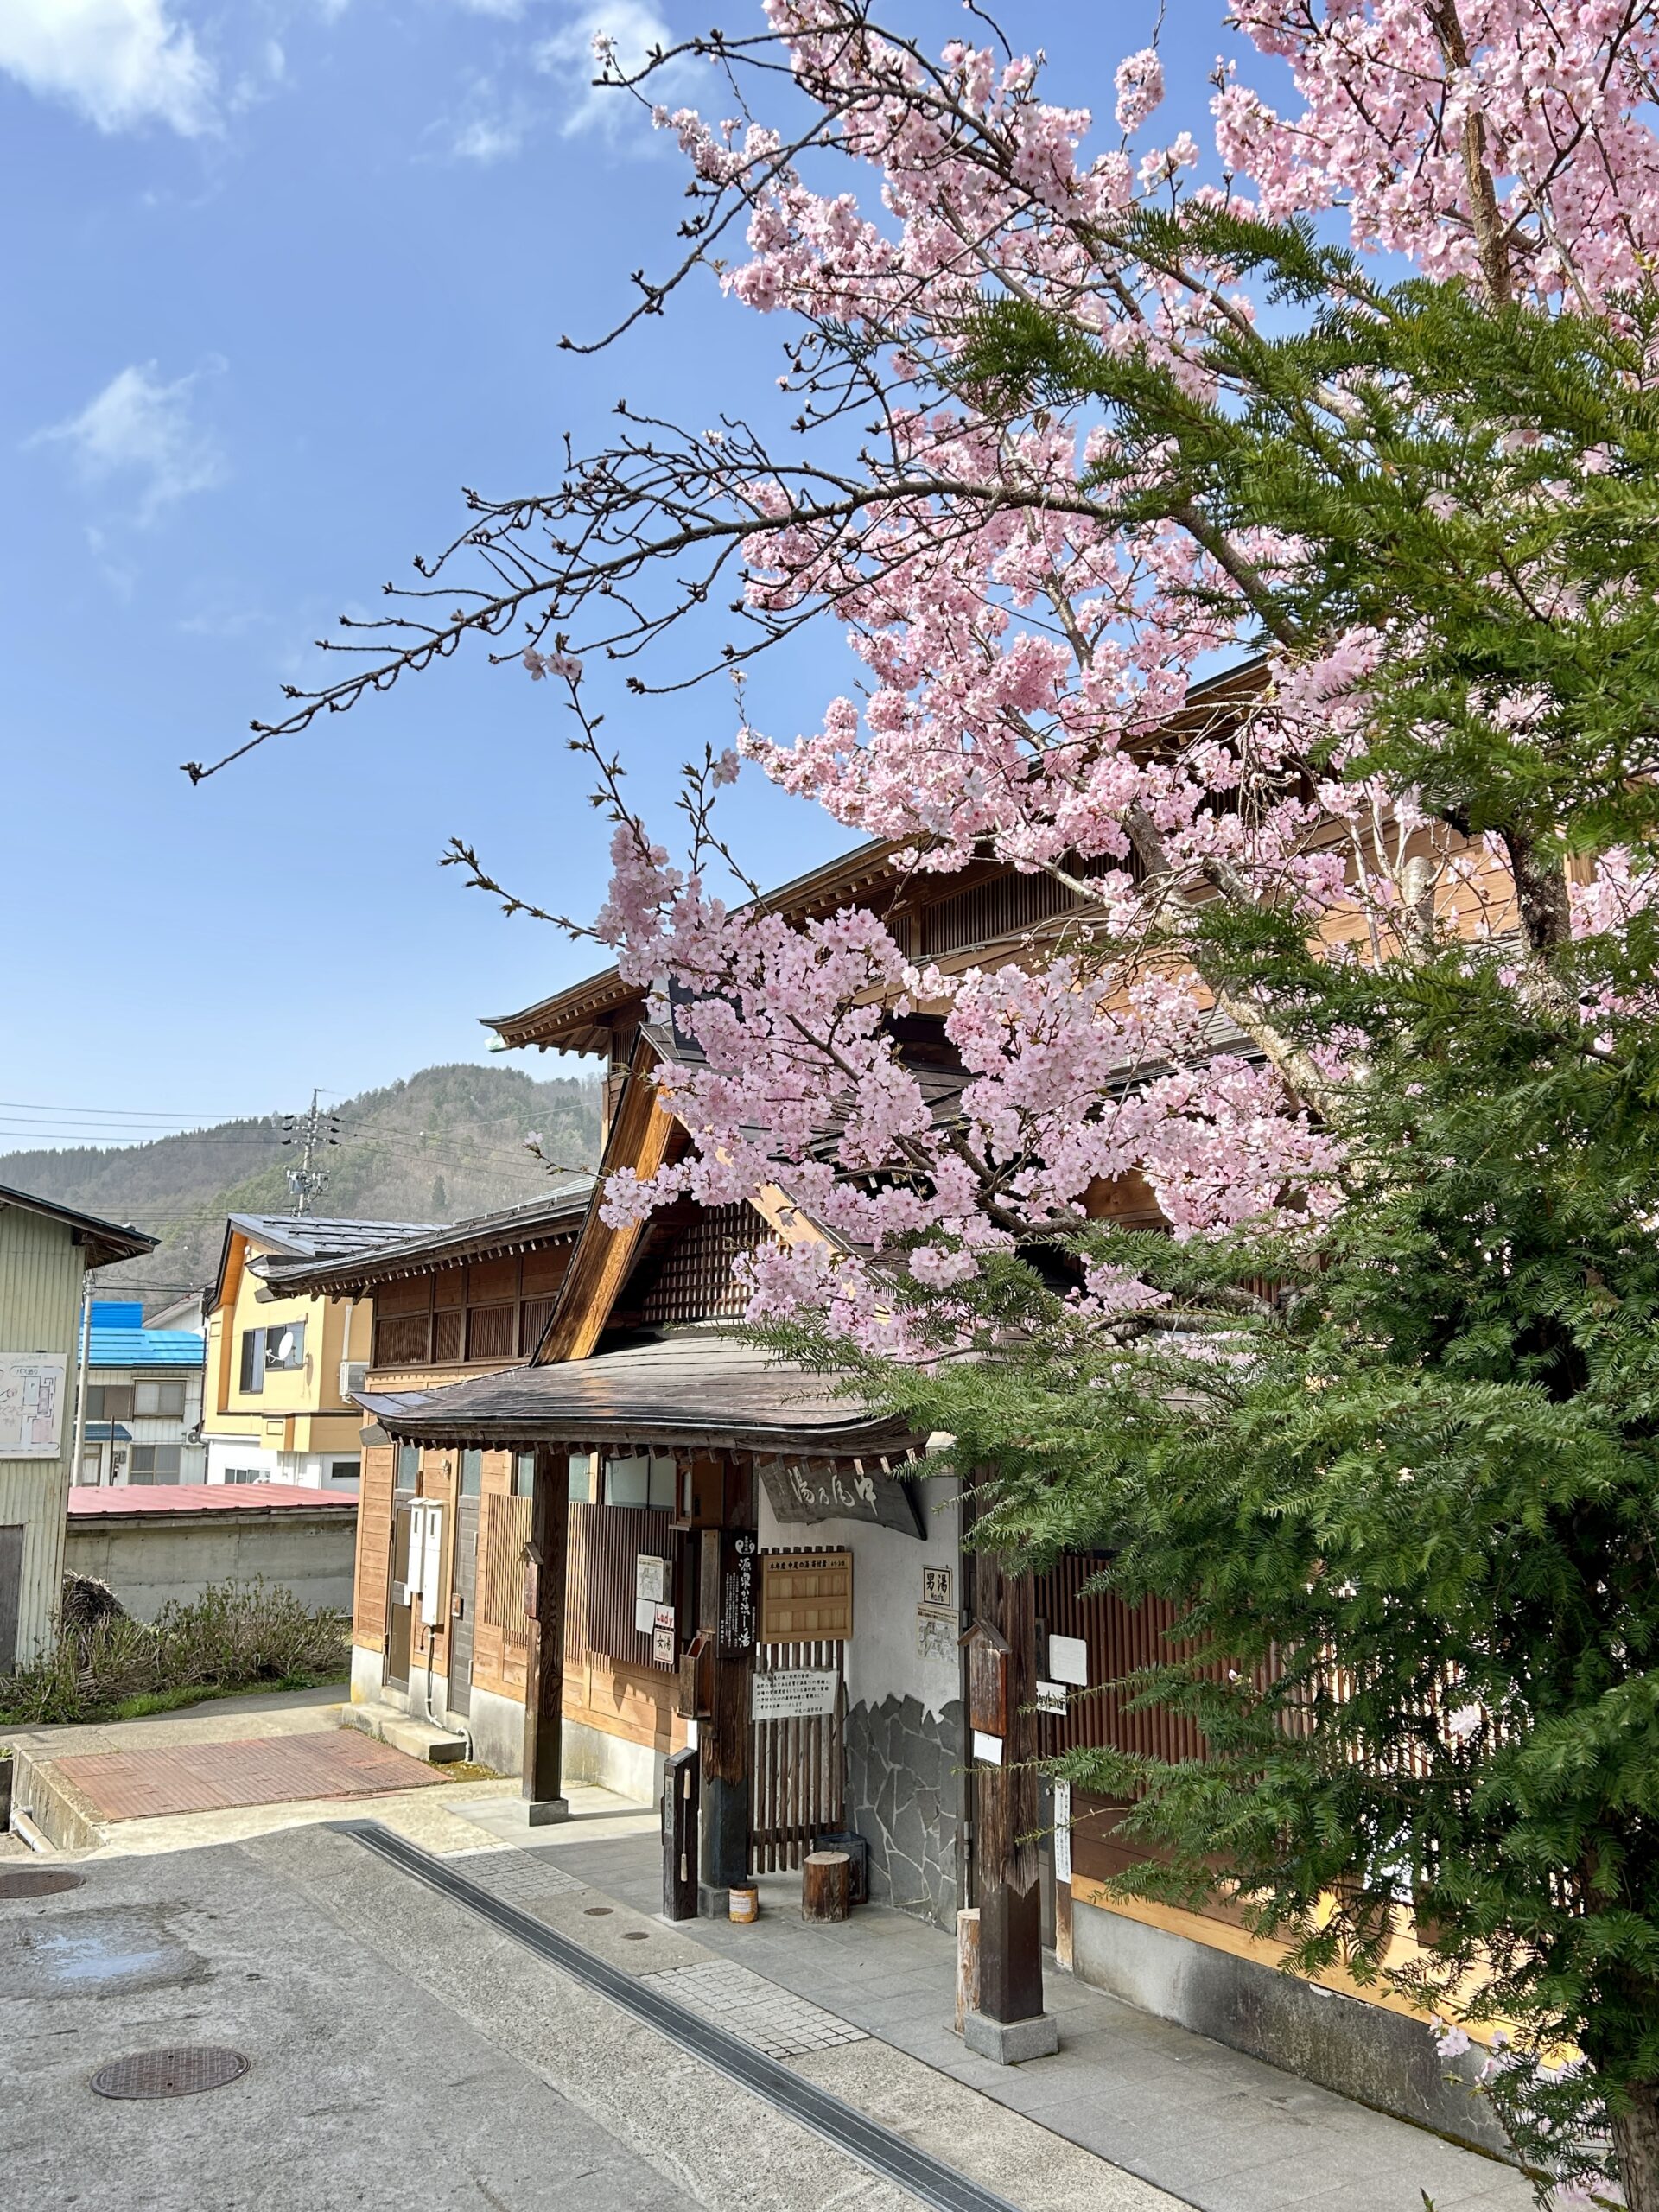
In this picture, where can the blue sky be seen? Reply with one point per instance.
(280, 275)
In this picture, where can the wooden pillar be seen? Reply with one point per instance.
(1009, 1862)
(728, 1605)
(544, 1570)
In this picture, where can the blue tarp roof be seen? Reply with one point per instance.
(145, 1348)
(107, 1431)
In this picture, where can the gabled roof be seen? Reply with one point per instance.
(307, 1237)
(105, 1241)
(567, 1020)
(488, 1235)
(145, 1348)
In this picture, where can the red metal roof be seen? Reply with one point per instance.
(89, 1499)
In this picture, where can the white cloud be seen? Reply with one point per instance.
(635, 26)
(488, 138)
(141, 430)
(121, 62)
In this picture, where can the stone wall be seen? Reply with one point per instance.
(902, 1785)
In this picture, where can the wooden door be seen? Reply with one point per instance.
(400, 1617)
(11, 1595)
(796, 1763)
(463, 1585)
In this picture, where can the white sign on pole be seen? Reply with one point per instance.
(1068, 1661)
(988, 1748)
(795, 1694)
(31, 1405)
(1062, 1831)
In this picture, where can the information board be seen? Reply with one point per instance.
(31, 1405)
(796, 1693)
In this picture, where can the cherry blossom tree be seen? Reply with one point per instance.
(1084, 415)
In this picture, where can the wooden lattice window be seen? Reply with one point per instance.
(1001, 908)
(401, 1339)
(533, 1317)
(490, 1331)
(695, 1282)
(501, 1591)
(447, 1336)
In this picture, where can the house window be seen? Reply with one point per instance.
(165, 1399)
(253, 1362)
(246, 1475)
(408, 1465)
(343, 1470)
(523, 1475)
(154, 1463)
(285, 1347)
(109, 1402)
(472, 1473)
(582, 1478)
(648, 1479)
(279, 1349)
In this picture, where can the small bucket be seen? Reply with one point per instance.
(743, 1903)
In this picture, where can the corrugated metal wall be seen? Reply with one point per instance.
(39, 1307)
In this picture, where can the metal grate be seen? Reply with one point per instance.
(37, 1881)
(181, 2073)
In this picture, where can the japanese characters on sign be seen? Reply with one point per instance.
(738, 1608)
(935, 1586)
(663, 1650)
(840, 1493)
(795, 1694)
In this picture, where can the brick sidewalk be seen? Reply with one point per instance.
(213, 1778)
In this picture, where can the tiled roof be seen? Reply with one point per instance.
(93, 1501)
(145, 1348)
(691, 1386)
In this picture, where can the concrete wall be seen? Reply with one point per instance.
(904, 1720)
(156, 1556)
(1380, 2059)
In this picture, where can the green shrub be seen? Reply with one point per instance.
(235, 1636)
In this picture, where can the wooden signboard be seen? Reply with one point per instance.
(988, 1680)
(800, 1494)
(806, 1596)
(738, 1547)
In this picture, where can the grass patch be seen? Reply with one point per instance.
(236, 1636)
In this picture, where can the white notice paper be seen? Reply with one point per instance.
(644, 1615)
(1050, 1697)
(1068, 1660)
(1063, 1832)
(988, 1748)
(795, 1694)
(649, 1578)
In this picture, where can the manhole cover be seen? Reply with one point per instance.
(37, 1881)
(635, 1936)
(597, 1912)
(170, 2073)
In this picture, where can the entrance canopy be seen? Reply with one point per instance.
(702, 1388)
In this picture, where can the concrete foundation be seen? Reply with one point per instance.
(1011, 2043)
(1379, 2058)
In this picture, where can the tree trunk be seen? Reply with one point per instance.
(1636, 2138)
(826, 1885)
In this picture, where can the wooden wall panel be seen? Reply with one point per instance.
(376, 1483)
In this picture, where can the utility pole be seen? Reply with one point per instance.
(311, 1132)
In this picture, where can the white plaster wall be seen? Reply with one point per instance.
(883, 1658)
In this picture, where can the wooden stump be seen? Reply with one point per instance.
(967, 1964)
(826, 1885)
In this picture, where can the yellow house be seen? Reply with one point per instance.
(276, 1403)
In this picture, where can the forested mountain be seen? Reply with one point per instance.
(445, 1144)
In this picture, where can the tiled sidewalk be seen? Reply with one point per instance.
(1223, 2132)
(130, 1785)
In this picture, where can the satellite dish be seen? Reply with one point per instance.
(285, 1347)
